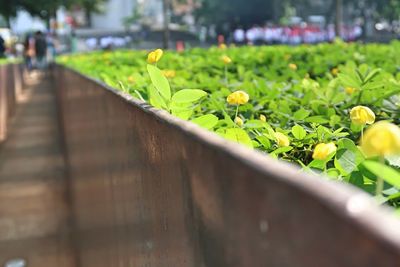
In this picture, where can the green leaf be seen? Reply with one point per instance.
(208, 121)
(372, 75)
(155, 98)
(348, 80)
(264, 141)
(254, 124)
(390, 175)
(301, 114)
(317, 164)
(317, 119)
(348, 157)
(345, 161)
(238, 135)
(281, 150)
(159, 81)
(393, 160)
(188, 96)
(299, 132)
(181, 110)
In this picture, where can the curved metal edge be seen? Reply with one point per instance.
(343, 199)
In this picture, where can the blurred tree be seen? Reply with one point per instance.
(339, 17)
(389, 9)
(134, 18)
(166, 19)
(90, 7)
(43, 9)
(8, 9)
(226, 14)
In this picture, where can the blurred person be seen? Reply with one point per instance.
(2, 47)
(203, 34)
(250, 36)
(358, 31)
(268, 34)
(40, 50)
(73, 42)
(29, 51)
(51, 47)
(91, 43)
(239, 36)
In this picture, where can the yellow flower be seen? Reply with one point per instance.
(238, 98)
(349, 90)
(335, 71)
(322, 151)
(361, 115)
(222, 46)
(169, 73)
(381, 139)
(263, 118)
(131, 79)
(292, 66)
(281, 139)
(239, 121)
(227, 60)
(154, 56)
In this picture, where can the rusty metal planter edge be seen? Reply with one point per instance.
(348, 204)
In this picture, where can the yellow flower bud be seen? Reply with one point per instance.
(222, 46)
(227, 60)
(154, 56)
(335, 71)
(292, 66)
(263, 118)
(281, 139)
(349, 90)
(322, 151)
(131, 79)
(381, 139)
(238, 98)
(169, 73)
(361, 115)
(239, 121)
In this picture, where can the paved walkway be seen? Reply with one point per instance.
(33, 209)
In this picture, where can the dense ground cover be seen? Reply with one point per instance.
(331, 108)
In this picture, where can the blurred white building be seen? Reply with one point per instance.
(114, 12)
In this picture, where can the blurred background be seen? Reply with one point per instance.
(83, 25)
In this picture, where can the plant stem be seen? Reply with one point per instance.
(379, 181)
(226, 75)
(236, 114)
(237, 111)
(362, 134)
(359, 97)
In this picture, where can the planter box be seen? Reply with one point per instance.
(151, 190)
(10, 87)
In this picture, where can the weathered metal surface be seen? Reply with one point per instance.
(10, 86)
(3, 102)
(19, 83)
(10, 83)
(151, 190)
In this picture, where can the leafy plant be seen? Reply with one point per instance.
(298, 114)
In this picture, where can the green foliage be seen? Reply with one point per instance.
(309, 106)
